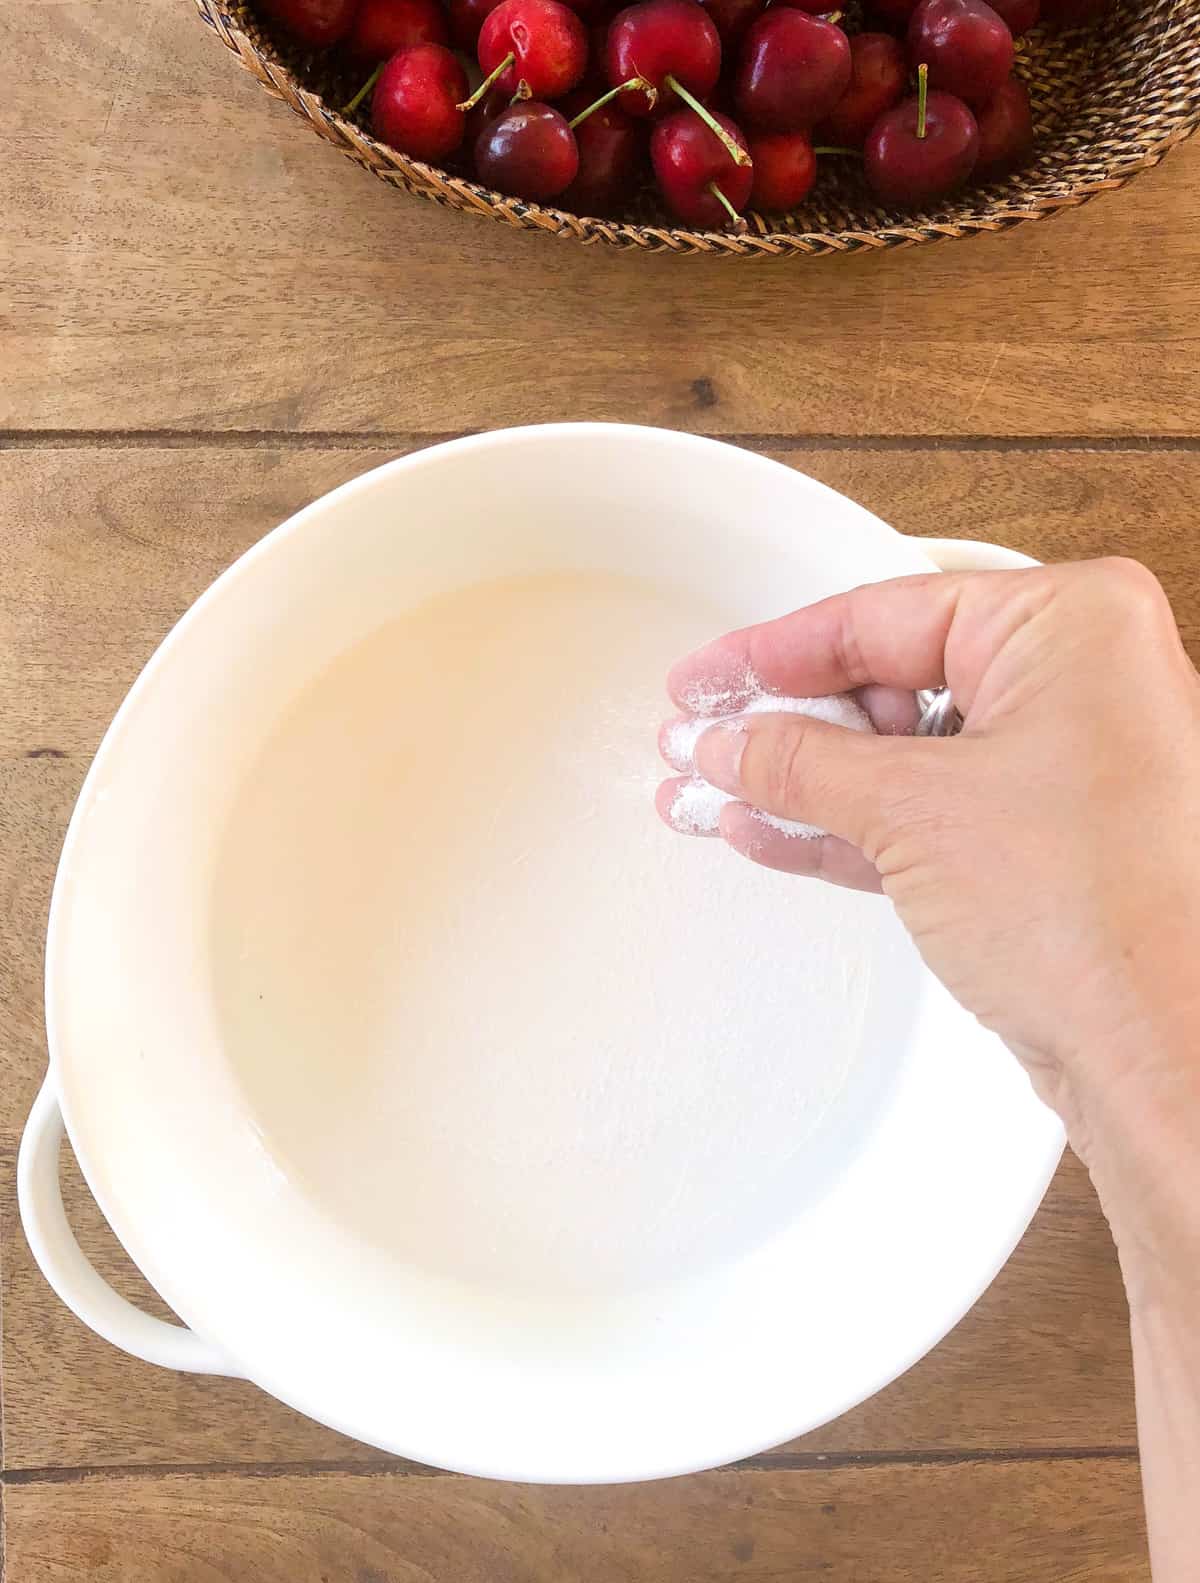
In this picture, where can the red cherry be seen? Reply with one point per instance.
(538, 42)
(415, 103)
(466, 18)
(1020, 15)
(785, 168)
(612, 152)
(316, 23)
(923, 149)
(1005, 132)
(1072, 13)
(660, 39)
(967, 47)
(878, 74)
(793, 71)
(529, 152)
(693, 166)
(381, 27)
(732, 17)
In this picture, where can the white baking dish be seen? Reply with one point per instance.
(543, 1241)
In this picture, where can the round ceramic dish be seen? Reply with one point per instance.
(587, 1254)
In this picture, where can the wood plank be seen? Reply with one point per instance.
(1054, 1522)
(1056, 505)
(104, 548)
(180, 240)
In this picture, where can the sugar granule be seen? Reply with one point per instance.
(712, 699)
(696, 809)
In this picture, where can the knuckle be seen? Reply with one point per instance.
(848, 646)
(1126, 588)
(783, 767)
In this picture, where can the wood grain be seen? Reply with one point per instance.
(182, 244)
(105, 548)
(1050, 1522)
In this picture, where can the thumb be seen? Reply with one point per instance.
(849, 783)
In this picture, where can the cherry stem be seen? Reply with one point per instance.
(737, 154)
(469, 104)
(349, 109)
(833, 148)
(922, 97)
(735, 218)
(640, 83)
(834, 17)
(524, 91)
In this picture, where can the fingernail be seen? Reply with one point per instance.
(719, 754)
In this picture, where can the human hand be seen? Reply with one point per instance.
(1047, 864)
(1046, 861)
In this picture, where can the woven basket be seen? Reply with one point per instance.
(1109, 102)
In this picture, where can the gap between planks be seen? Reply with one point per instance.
(767, 1462)
(389, 440)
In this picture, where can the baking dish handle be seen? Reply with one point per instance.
(965, 555)
(62, 1262)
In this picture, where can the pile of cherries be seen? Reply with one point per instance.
(729, 101)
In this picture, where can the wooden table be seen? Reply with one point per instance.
(211, 318)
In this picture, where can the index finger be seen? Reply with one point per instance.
(894, 633)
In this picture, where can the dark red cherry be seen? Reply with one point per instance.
(732, 18)
(1020, 15)
(785, 168)
(528, 152)
(794, 69)
(381, 27)
(878, 74)
(1005, 132)
(612, 158)
(317, 23)
(482, 114)
(966, 45)
(466, 18)
(923, 149)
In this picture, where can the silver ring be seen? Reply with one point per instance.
(938, 717)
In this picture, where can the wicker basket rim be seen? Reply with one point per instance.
(460, 192)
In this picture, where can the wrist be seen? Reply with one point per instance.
(1137, 1127)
